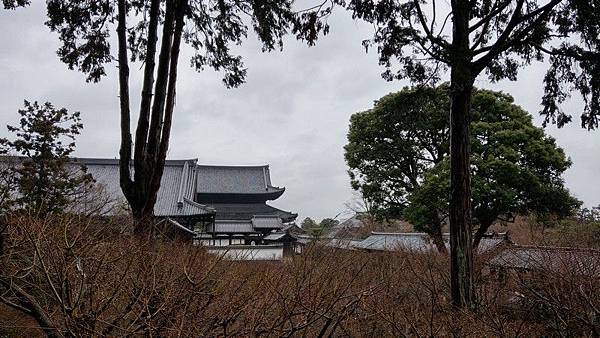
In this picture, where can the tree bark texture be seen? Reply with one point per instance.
(156, 110)
(483, 228)
(461, 81)
(438, 239)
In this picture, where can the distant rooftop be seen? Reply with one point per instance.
(582, 261)
(237, 211)
(214, 179)
(416, 241)
(186, 189)
(177, 188)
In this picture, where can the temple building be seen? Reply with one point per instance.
(216, 205)
(239, 196)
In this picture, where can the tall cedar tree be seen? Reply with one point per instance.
(210, 28)
(40, 181)
(496, 37)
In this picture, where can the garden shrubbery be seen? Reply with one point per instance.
(85, 276)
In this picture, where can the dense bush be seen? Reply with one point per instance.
(83, 277)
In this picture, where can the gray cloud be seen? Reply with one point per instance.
(292, 113)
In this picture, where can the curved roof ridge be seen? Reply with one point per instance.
(543, 247)
(115, 161)
(399, 233)
(196, 204)
(289, 212)
(242, 166)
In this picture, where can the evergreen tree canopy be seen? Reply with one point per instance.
(391, 145)
(40, 180)
(402, 166)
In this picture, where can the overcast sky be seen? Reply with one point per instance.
(292, 113)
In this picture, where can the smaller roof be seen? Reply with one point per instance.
(304, 239)
(280, 237)
(396, 241)
(417, 241)
(580, 261)
(267, 222)
(245, 211)
(233, 226)
(292, 228)
(276, 236)
(343, 243)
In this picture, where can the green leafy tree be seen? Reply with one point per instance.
(210, 28)
(308, 223)
(41, 180)
(421, 40)
(328, 223)
(391, 145)
(516, 167)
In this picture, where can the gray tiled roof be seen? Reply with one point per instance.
(177, 187)
(234, 180)
(396, 241)
(183, 179)
(232, 226)
(267, 222)
(487, 244)
(305, 239)
(416, 241)
(245, 211)
(552, 259)
(275, 236)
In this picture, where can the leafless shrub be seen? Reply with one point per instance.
(82, 276)
(561, 292)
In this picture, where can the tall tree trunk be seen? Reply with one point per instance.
(483, 228)
(141, 133)
(180, 8)
(125, 152)
(141, 165)
(151, 161)
(140, 191)
(461, 255)
(438, 239)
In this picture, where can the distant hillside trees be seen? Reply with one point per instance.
(318, 229)
(328, 223)
(39, 180)
(401, 163)
(308, 223)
